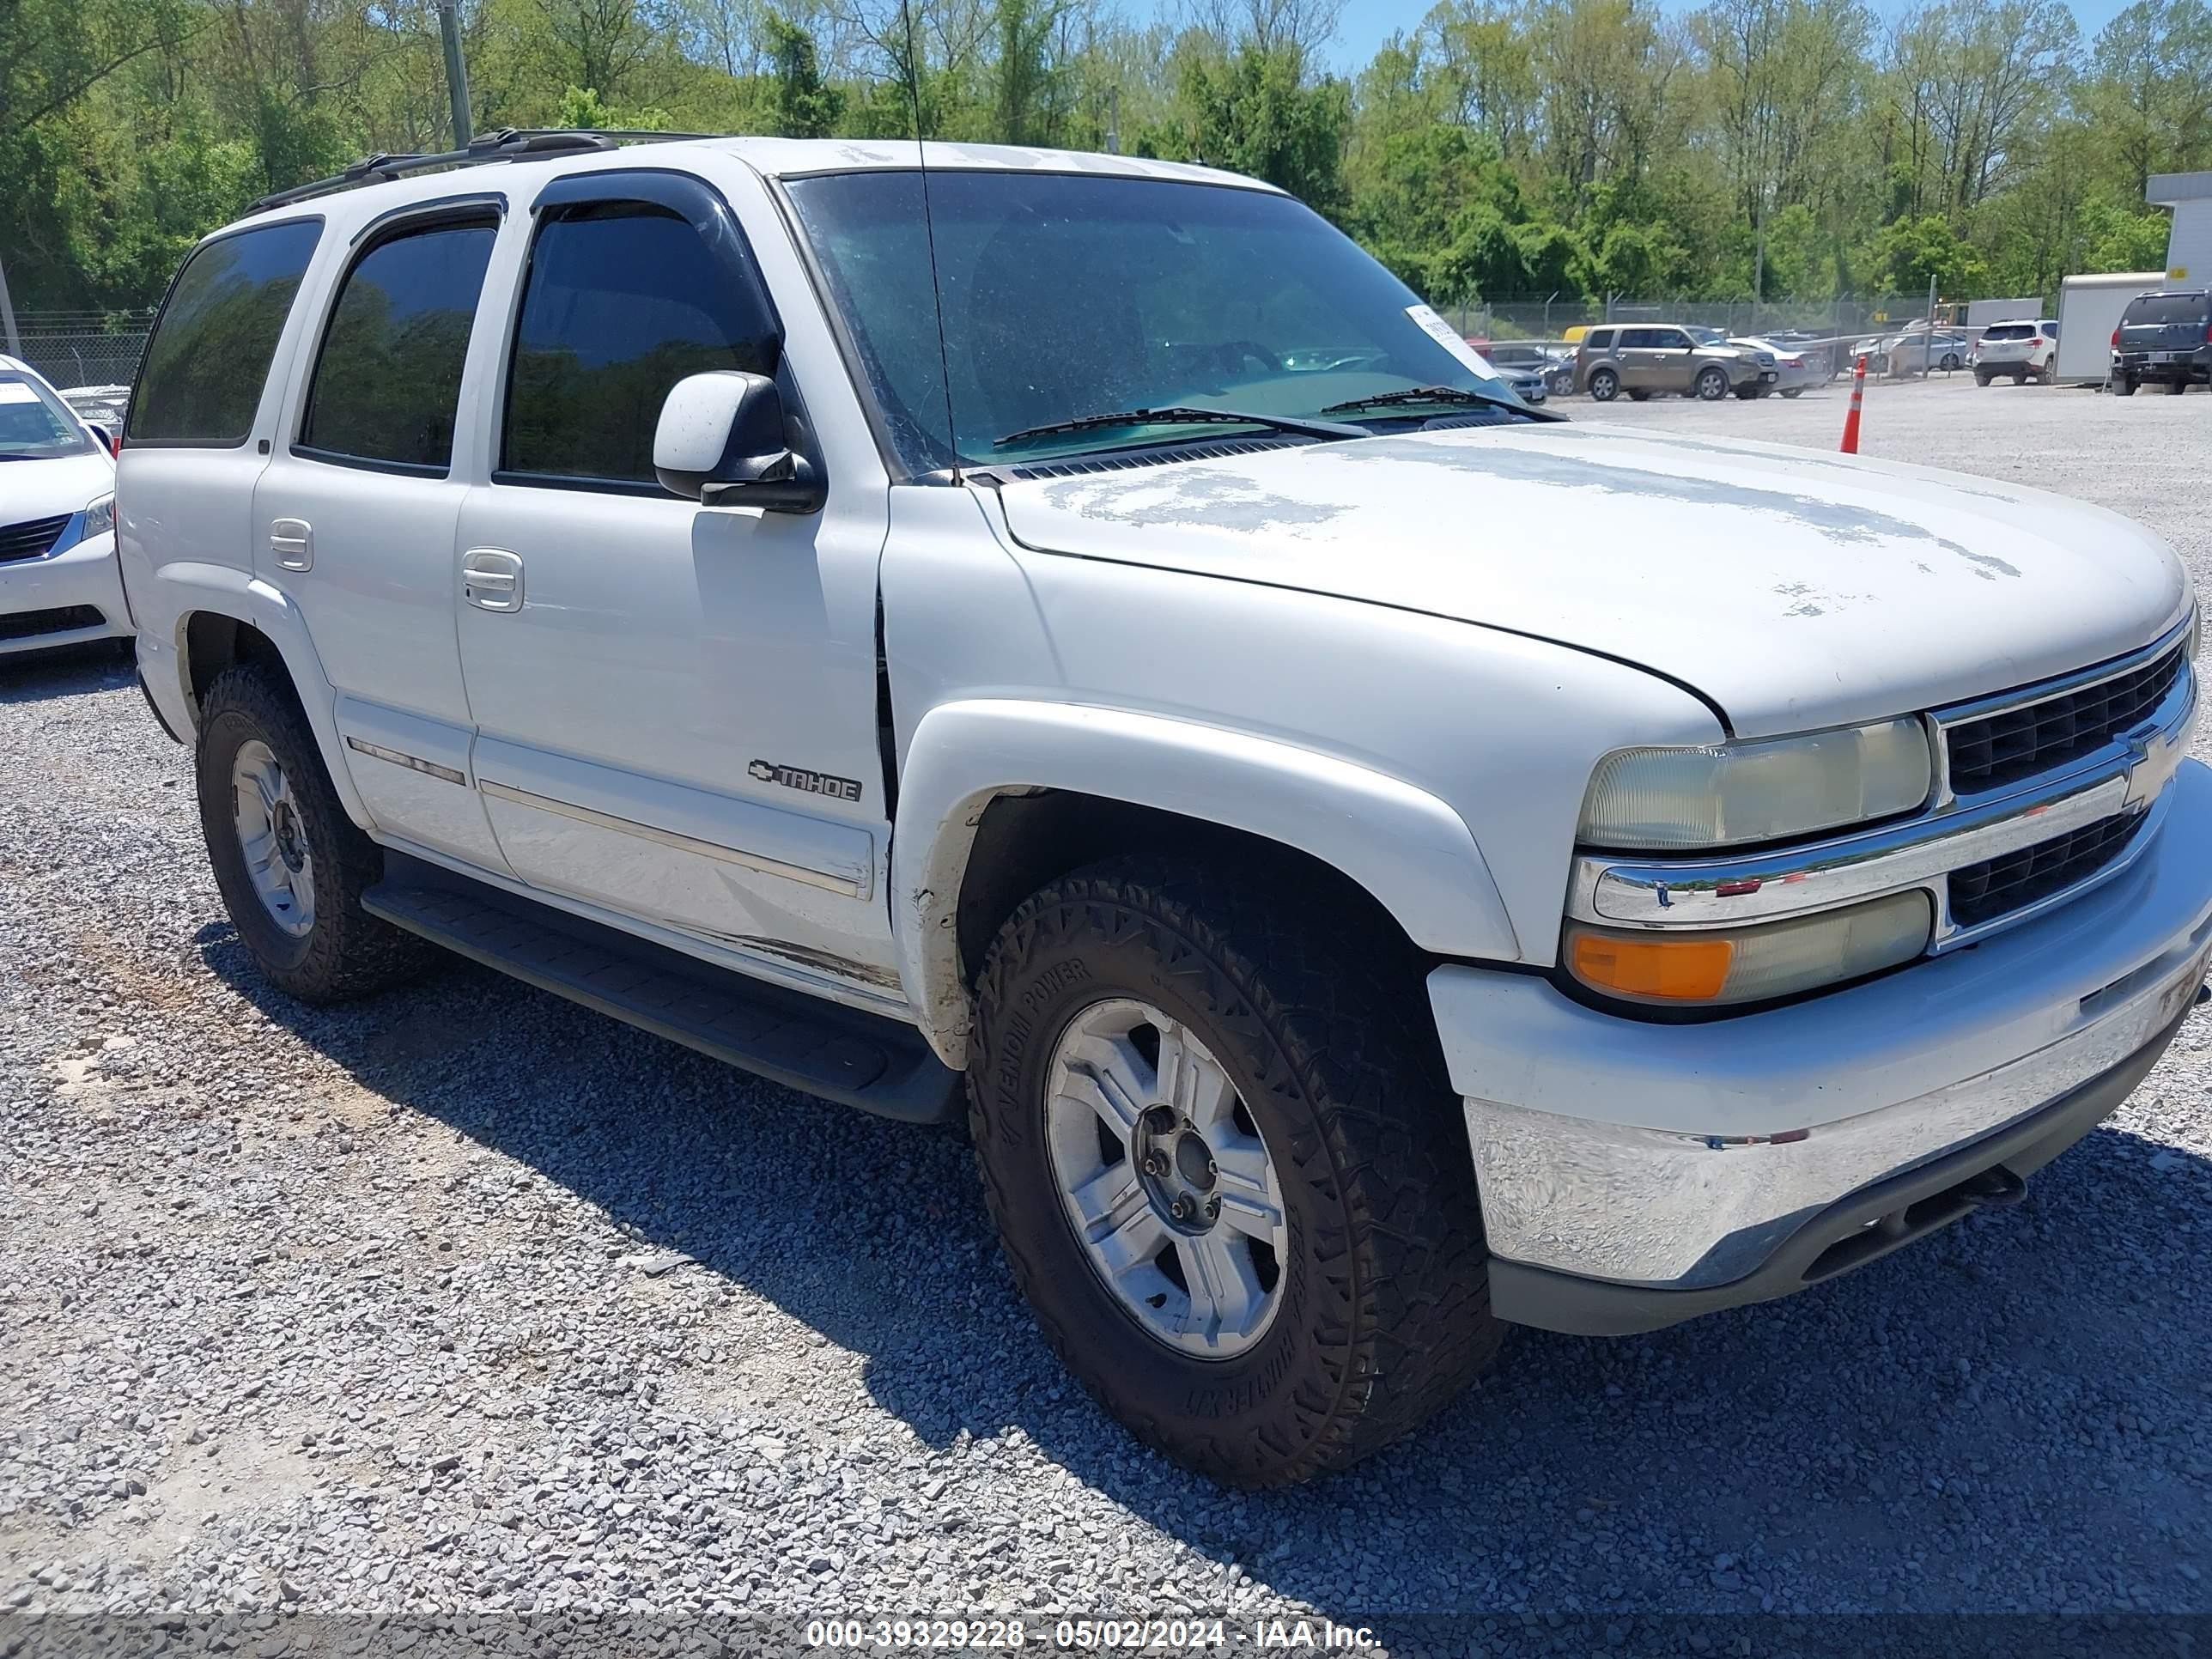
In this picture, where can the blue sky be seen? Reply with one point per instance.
(1367, 23)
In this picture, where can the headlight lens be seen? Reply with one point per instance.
(1659, 799)
(1683, 969)
(99, 518)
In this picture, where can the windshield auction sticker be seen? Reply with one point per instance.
(1452, 341)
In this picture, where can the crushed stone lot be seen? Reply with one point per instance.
(464, 1298)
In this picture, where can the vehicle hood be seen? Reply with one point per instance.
(1792, 588)
(44, 489)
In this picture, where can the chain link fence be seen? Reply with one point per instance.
(82, 347)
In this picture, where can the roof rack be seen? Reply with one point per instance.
(503, 144)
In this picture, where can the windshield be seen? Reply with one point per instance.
(1067, 295)
(33, 423)
(2165, 310)
(1708, 336)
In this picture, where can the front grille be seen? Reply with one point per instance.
(2018, 742)
(29, 624)
(1997, 887)
(29, 540)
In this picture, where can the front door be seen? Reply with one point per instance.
(677, 712)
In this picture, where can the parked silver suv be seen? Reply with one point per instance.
(1641, 359)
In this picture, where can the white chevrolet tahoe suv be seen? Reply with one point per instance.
(1071, 641)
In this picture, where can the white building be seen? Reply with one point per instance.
(2189, 251)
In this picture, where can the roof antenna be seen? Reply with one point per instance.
(929, 231)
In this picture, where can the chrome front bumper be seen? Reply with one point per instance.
(1683, 1158)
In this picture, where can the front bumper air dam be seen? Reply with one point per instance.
(1633, 1174)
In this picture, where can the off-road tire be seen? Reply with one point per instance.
(1386, 1310)
(346, 952)
(1711, 385)
(1604, 385)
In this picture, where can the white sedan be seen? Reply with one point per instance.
(1793, 370)
(58, 583)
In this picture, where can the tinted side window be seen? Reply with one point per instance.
(1632, 338)
(204, 372)
(623, 302)
(389, 376)
(1599, 339)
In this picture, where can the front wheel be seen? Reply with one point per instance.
(1230, 1176)
(290, 865)
(1712, 385)
(1604, 385)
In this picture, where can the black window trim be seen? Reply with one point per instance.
(691, 199)
(485, 209)
(161, 314)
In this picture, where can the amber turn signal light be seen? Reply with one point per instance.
(1677, 969)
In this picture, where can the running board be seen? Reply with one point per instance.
(816, 1047)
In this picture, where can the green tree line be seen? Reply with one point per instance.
(1504, 149)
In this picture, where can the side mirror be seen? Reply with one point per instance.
(722, 440)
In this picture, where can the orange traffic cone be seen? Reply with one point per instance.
(1851, 420)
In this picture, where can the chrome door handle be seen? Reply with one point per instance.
(292, 541)
(491, 579)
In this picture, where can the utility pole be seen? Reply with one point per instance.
(457, 72)
(1114, 120)
(1927, 347)
(8, 316)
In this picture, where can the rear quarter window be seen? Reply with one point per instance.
(209, 357)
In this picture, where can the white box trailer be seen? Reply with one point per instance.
(2090, 309)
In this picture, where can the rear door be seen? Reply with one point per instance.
(355, 518)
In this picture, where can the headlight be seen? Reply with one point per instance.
(99, 518)
(1659, 799)
(1685, 968)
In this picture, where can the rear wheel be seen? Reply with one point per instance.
(1604, 385)
(1712, 384)
(1231, 1177)
(1794, 392)
(2178, 385)
(1983, 377)
(290, 865)
(2124, 385)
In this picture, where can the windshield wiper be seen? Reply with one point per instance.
(1183, 415)
(1426, 394)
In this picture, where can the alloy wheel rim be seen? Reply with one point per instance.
(272, 834)
(1165, 1179)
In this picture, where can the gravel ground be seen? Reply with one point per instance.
(462, 1298)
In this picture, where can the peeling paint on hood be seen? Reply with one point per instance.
(1793, 588)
